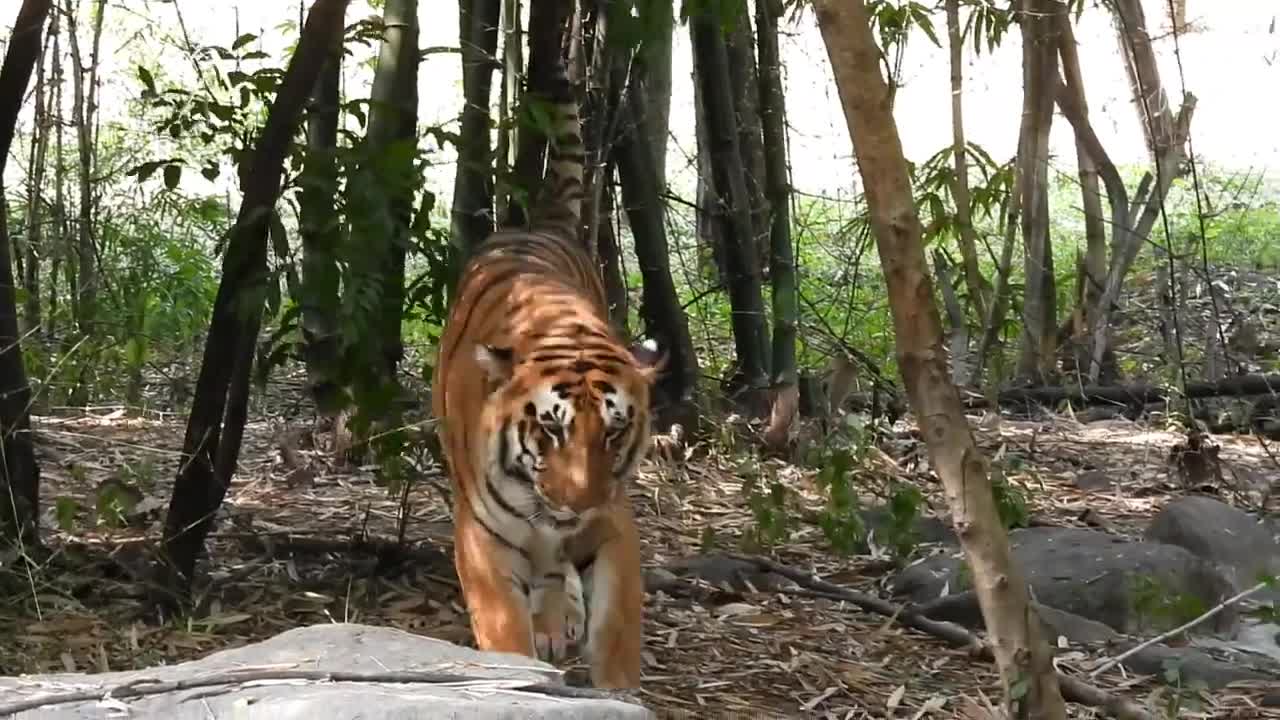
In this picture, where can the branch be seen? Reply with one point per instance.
(1072, 689)
(140, 687)
(1084, 131)
(1181, 628)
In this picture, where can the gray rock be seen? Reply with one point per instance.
(1076, 629)
(1129, 586)
(927, 529)
(1193, 665)
(1244, 547)
(1095, 480)
(490, 692)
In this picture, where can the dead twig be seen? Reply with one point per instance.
(1073, 690)
(140, 687)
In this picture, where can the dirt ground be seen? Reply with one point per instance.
(282, 556)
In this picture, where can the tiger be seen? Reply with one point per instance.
(544, 418)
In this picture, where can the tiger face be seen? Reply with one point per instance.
(563, 440)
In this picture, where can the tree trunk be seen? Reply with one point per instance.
(733, 214)
(994, 319)
(472, 213)
(19, 474)
(660, 309)
(1018, 640)
(1095, 226)
(82, 114)
(1039, 74)
(610, 254)
(1166, 136)
(546, 19)
(782, 270)
(656, 59)
(966, 239)
(600, 66)
(35, 214)
(740, 45)
(512, 69)
(318, 224)
(57, 243)
(233, 329)
(393, 120)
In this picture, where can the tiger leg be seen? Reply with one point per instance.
(559, 612)
(495, 585)
(615, 606)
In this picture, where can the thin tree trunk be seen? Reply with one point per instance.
(546, 19)
(19, 473)
(1019, 643)
(393, 119)
(782, 270)
(1095, 230)
(967, 239)
(599, 66)
(508, 92)
(1166, 136)
(660, 309)
(710, 245)
(740, 45)
(82, 114)
(655, 58)
(994, 319)
(734, 214)
(233, 330)
(58, 242)
(1039, 73)
(318, 224)
(472, 213)
(83, 230)
(35, 213)
(610, 254)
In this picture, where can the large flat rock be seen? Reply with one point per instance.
(491, 690)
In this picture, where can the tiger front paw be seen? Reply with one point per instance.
(559, 619)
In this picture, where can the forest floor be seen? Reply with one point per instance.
(293, 546)
(283, 557)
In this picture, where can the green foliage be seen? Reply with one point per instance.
(1011, 502)
(986, 24)
(899, 533)
(894, 20)
(771, 510)
(1158, 603)
(841, 519)
(1185, 695)
(65, 509)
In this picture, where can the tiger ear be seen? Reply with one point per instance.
(497, 362)
(650, 358)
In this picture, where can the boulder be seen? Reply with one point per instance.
(1129, 586)
(468, 684)
(1241, 545)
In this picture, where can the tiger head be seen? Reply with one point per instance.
(565, 438)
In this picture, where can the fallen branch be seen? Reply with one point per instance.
(1073, 690)
(384, 549)
(1138, 393)
(1180, 629)
(140, 687)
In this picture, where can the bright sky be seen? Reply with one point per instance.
(1232, 65)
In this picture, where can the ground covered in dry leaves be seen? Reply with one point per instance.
(300, 543)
